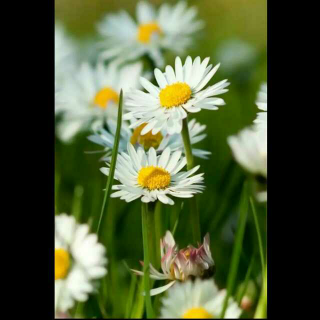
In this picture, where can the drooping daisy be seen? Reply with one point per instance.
(249, 148)
(91, 96)
(200, 299)
(79, 260)
(262, 99)
(151, 177)
(179, 92)
(159, 141)
(64, 55)
(170, 28)
(180, 265)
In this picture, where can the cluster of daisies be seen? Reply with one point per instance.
(156, 147)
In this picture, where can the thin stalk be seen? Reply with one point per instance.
(194, 212)
(77, 200)
(261, 311)
(144, 212)
(261, 251)
(158, 232)
(130, 298)
(246, 281)
(237, 248)
(151, 234)
(113, 164)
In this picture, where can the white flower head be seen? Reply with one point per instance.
(79, 260)
(180, 265)
(91, 96)
(169, 28)
(262, 99)
(151, 177)
(200, 299)
(181, 91)
(249, 148)
(64, 55)
(159, 141)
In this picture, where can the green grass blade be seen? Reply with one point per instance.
(113, 163)
(77, 202)
(246, 281)
(237, 247)
(261, 311)
(261, 251)
(130, 298)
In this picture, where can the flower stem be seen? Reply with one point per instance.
(194, 212)
(158, 232)
(146, 268)
(261, 311)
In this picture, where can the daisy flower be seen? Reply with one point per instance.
(159, 141)
(180, 265)
(79, 260)
(181, 91)
(169, 28)
(64, 55)
(200, 299)
(261, 120)
(249, 148)
(91, 95)
(151, 177)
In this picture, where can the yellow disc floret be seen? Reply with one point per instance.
(104, 96)
(147, 140)
(197, 313)
(145, 31)
(61, 263)
(174, 95)
(154, 178)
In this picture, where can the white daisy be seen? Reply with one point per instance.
(151, 177)
(179, 92)
(92, 94)
(180, 265)
(79, 260)
(159, 141)
(249, 148)
(169, 28)
(261, 120)
(200, 299)
(64, 55)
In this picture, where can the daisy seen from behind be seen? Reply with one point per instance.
(159, 141)
(180, 91)
(169, 28)
(199, 299)
(91, 96)
(150, 177)
(79, 261)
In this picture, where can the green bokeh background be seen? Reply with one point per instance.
(77, 172)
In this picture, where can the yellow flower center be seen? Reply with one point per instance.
(148, 140)
(197, 313)
(61, 263)
(154, 178)
(145, 31)
(174, 95)
(104, 96)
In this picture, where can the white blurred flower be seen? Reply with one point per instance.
(91, 96)
(64, 55)
(262, 99)
(180, 91)
(169, 28)
(159, 141)
(180, 264)
(200, 299)
(249, 148)
(79, 260)
(151, 177)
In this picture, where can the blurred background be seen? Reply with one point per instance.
(235, 35)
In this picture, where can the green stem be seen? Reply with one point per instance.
(261, 311)
(237, 249)
(246, 281)
(158, 232)
(146, 268)
(194, 211)
(254, 212)
(113, 163)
